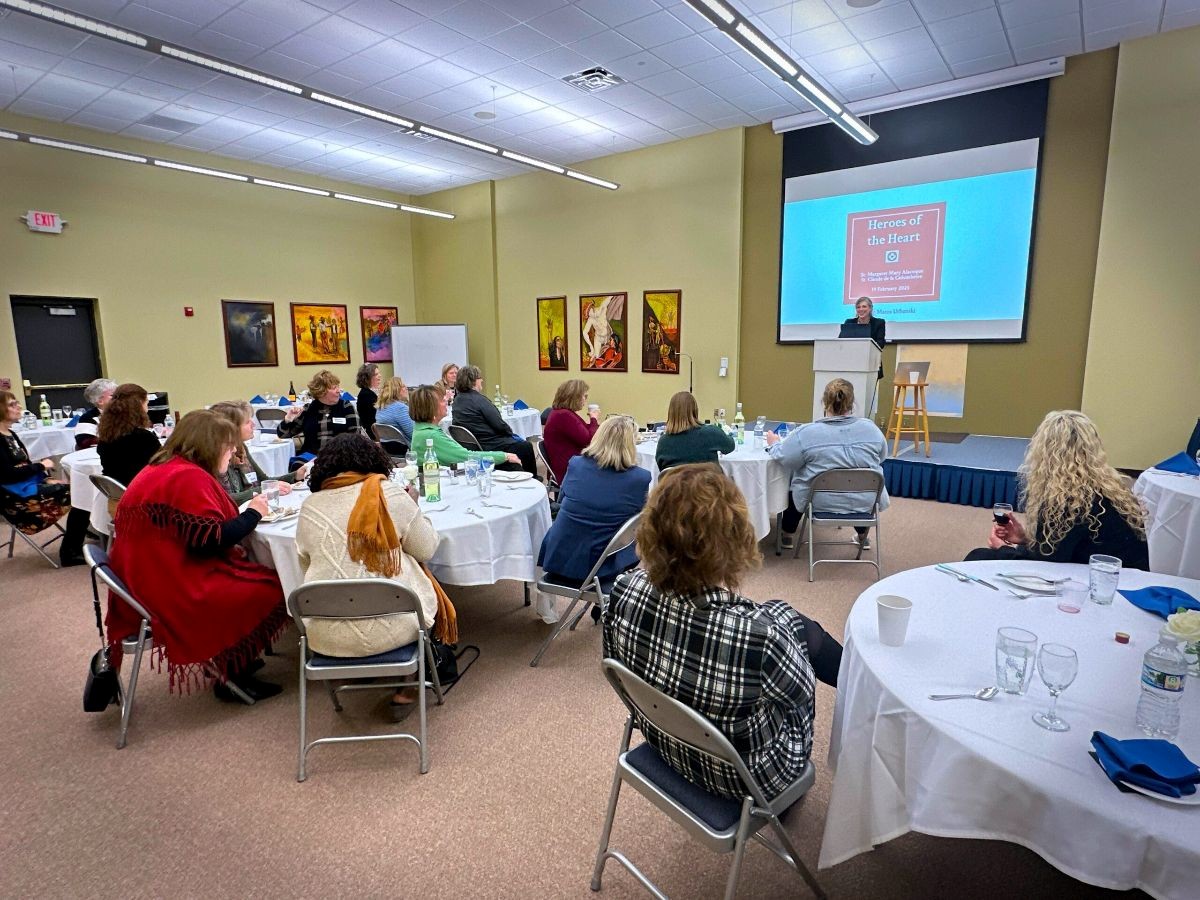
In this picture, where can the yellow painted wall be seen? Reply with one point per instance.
(1143, 369)
(146, 242)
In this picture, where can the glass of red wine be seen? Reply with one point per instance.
(1001, 512)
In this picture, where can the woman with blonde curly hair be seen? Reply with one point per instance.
(1077, 502)
(679, 623)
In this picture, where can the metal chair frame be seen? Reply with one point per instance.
(464, 436)
(273, 416)
(591, 585)
(845, 481)
(390, 434)
(689, 727)
(113, 490)
(367, 597)
(552, 485)
(40, 549)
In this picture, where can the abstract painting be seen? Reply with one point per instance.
(602, 328)
(249, 333)
(552, 333)
(319, 334)
(660, 331)
(377, 322)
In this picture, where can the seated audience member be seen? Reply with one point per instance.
(124, 439)
(566, 434)
(476, 413)
(214, 610)
(450, 380)
(368, 380)
(679, 619)
(1077, 502)
(358, 524)
(602, 489)
(393, 406)
(326, 416)
(96, 395)
(30, 499)
(686, 440)
(841, 440)
(427, 405)
(243, 479)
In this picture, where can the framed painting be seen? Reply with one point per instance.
(377, 322)
(552, 334)
(602, 328)
(319, 334)
(249, 333)
(660, 331)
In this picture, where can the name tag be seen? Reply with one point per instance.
(338, 420)
(251, 477)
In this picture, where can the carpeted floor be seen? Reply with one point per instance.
(204, 802)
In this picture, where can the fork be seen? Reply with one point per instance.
(438, 508)
(495, 505)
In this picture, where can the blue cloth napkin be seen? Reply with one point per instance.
(347, 396)
(73, 421)
(1162, 601)
(1155, 765)
(1180, 463)
(781, 427)
(284, 401)
(520, 404)
(257, 398)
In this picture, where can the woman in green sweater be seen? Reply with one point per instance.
(686, 440)
(243, 479)
(427, 406)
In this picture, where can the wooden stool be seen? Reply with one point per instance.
(919, 412)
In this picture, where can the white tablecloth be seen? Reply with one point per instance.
(53, 441)
(965, 768)
(525, 423)
(503, 544)
(763, 481)
(1173, 523)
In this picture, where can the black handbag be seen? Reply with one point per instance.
(446, 660)
(102, 687)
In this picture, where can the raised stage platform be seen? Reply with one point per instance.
(979, 470)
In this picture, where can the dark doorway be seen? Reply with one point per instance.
(57, 347)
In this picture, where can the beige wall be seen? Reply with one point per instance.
(1143, 369)
(148, 242)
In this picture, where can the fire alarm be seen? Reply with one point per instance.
(188, 311)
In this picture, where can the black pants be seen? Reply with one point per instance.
(524, 451)
(824, 652)
(792, 518)
(77, 527)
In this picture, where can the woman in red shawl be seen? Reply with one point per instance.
(213, 611)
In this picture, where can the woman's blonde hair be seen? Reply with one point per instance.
(570, 394)
(423, 403)
(201, 437)
(695, 532)
(1065, 473)
(838, 399)
(239, 412)
(614, 445)
(683, 413)
(446, 368)
(393, 390)
(321, 382)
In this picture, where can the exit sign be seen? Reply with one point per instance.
(49, 222)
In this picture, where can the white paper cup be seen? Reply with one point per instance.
(893, 618)
(914, 377)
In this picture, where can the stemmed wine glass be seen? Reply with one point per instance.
(1057, 665)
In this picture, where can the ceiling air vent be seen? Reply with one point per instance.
(166, 123)
(594, 80)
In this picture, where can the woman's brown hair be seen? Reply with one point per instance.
(695, 532)
(201, 437)
(423, 403)
(838, 398)
(125, 413)
(570, 394)
(683, 414)
(321, 382)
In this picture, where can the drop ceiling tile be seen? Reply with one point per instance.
(194, 142)
(476, 19)
(112, 56)
(479, 59)
(821, 40)
(965, 27)
(232, 151)
(295, 13)
(912, 44)
(555, 92)
(266, 141)
(1047, 30)
(792, 17)
(224, 46)
(284, 104)
(451, 100)
(567, 24)
(1022, 12)
(1101, 16)
(639, 65)
(586, 106)
(559, 62)
(254, 29)
(227, 87)
(614, 118)
(27, 106)
(383, 16)
(910, 80)
(35, 33)
(907, 65)
(618, 12)
(300, 128)
(430, 37)
(334, 83)
(368, 128)
(1183, 19)
(1064, 47)
(985, 45)
(71, 68)
(66, 92)
(101, 9)
(688, 50)
(157, 24)
(349, 36)
(520, 42)
(442, 73)
(668, 82)
(605, 47)
(311, 50)
(714, 69)
(104, 123)
(177, 74)
(655, 29)
(983, 64)
(692, 130)
(282, 66)
(838, 60)
(883, 20)
(410, 86)
(518, 76)
(203, 103)
(934, 10)
(327, 116)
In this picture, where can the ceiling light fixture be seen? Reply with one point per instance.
(362, 110)
(738, 29)
(459, 139)
(368, 201)
(283, 185)
(420, 210)
(530, 161)
(218, 65)
(85, 148)
(200, 170)
(592, 179)
(73, 20)
(8, 135)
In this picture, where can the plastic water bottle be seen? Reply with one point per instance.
(498, 399)
(433, 474)
(1164, 675)
(760, 428)
(168, 425)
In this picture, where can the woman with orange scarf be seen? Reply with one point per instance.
(358, 524)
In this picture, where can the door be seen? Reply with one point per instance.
(57, 348)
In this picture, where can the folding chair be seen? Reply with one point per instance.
(845, 481)
(720, 823)
(464, 437)
(113, 490)
(552, 485)
(98, 563)
(269, 419)
(578, 590)
(16, 532)
(392, 440)
(361, 598)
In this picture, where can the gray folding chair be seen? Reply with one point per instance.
(552, 485)
(464, 437)
(98, 563)
(720, 823)
(392, 440)
(39, 548)
(114, 491)
(579, 590)
(269, 419)
(845, 481)
(362, 598)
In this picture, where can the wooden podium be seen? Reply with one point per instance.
(856, 360)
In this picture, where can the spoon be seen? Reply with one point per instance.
(986, 693)
(962, 578)
(471, 512)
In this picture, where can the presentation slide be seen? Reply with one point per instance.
(940, 244)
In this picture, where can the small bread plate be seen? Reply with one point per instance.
(1186, 800)
(511, 476)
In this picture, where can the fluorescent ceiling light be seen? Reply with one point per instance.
(200, 170)
(362, 110)
(720, 10)
(83, 23)
(459, 139)
(368, 200)
(530, 161)
(814, 90)
(592, 179)
(84, 148)
(420, 210)
(228, 69)
(869, 136)
(290, 187)
(9, 135)
(764, 47)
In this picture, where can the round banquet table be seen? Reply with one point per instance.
(525, 423)
(965, 768)
(763, 481)
(1173, 524)
(496, 544)
(43, 442)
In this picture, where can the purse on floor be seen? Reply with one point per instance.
(102, 687)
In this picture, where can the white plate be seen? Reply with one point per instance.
(1186, 800)
(511, 476)
(301, 486)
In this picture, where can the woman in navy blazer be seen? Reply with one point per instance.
(603, 489)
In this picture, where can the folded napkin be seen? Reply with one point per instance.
(1155, 765)
(1180, 463)
(781, 427)
(347, 396)
(1162, 601)
(73, 421)
(520, 404)
(284, 401)
(257, 398)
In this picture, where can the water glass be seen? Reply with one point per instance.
(1103, 574)
(486, 466)
(57, 415)
(1058, 665)
(270, 491)
(1015, 651)
(472, 469)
